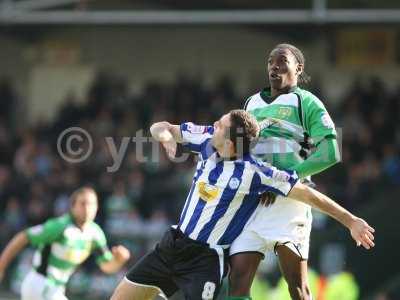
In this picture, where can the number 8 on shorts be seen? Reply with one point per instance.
(208, 291)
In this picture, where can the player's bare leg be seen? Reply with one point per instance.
(243, 269)
(294, 270)
(129, 291)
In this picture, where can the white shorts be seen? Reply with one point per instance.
(36, 287)
(286, 222)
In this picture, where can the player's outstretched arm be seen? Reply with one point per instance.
(168, 135)
(120, 256)
(13, 248)
(360, 231)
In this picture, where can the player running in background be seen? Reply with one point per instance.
(225, 192)
(290, 119)
(63, 244)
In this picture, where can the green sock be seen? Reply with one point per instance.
(238, 298)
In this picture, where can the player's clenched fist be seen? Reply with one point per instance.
(120, 253)
(362, 233)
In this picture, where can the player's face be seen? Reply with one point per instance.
(220, 138)
(283, 69)
(84, 208)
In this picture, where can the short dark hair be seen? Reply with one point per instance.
(303, 77)
(243, 131)
(79, 191)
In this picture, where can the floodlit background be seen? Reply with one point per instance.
(114, 67)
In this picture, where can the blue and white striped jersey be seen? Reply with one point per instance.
(225, 193)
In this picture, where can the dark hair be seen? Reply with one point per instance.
(303, 77)
(79, 191)
(243, 131)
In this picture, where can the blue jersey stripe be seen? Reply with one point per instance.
(195, 216)
(242, 215)
(189, 198)
(207, 150)
(185, 208)
(216, 172)
(267, 171)
(212, 179)
(193, 147)
(223, 205)
(293, 179)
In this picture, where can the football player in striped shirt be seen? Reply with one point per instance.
(63, 244)
(225, 192)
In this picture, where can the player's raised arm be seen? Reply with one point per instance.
(195, 138)
(361, 232)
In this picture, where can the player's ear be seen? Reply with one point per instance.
(299, 69)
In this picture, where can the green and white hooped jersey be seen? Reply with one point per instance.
(281, 127)
(62, 246)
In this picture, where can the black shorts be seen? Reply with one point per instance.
(178, 262)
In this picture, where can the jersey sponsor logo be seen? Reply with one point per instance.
(196, 129)
(208, 291)
(36, 230)
(327, 121)
(234, 183)
(207, 191)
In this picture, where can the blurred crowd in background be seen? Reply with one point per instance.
(140, 199)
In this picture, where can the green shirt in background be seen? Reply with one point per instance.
(62, 246)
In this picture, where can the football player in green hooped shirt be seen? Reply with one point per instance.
(289, 117)
(63, 244)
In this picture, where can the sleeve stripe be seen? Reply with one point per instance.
(247, 103)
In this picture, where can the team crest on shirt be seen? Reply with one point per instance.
(207, 191)
(284, 112)
(234, 183)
